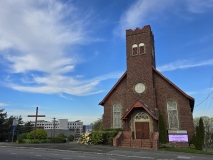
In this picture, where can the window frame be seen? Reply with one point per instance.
(140, 45)
(170, 109)
(133, 47)
(113, 115)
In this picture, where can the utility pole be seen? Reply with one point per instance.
(54, 127)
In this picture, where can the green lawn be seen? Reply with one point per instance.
(185, 150)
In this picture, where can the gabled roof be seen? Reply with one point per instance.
(141, 104)
(116, 84)
(191, 100)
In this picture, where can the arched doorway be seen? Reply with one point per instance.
(142, 125)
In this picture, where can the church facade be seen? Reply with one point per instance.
(142, 92)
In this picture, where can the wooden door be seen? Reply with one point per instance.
(142, 130)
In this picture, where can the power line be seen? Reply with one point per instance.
(204, 99)
(207, 98)
(210, 105)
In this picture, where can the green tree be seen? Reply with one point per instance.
(163, 136)
(208, 129)
(9, 128)
(202, 131)
(71, 138)
(28, 127)
(40, 134)
(198, 141)
(19, 127)
(3, 116)
(97, 125)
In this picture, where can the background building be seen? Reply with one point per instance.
(61, 124)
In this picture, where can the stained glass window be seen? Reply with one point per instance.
(116, 116)
(172, 115)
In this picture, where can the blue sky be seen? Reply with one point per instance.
(64, 56)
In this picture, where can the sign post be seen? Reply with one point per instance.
(15, 122)
(36, 116)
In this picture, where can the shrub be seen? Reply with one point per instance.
(71, 138)
(97, 137)
(85, 138)
(61, 135)
(40, 134)
(192, 146)
(21, 137)
(110, 135)
(58, 140)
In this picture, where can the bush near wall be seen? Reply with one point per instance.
(40, 134)
(71, 138)
(99, 137)
(57, 140)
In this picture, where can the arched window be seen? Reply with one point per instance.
(134, 49)
(141, 48)
(116, 116)
(141, 116)
(172, 115)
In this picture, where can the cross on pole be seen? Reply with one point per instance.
(36, 116)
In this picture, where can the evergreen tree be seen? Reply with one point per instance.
(28, 127)
(202, 131)
(193, 140)
(163, 136)
(9, 128)
(3, 116)
(196, 142)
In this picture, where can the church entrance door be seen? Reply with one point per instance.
(142, 130)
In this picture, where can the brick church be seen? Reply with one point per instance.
(142, 92)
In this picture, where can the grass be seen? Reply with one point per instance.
(185, 150)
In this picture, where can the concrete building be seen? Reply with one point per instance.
(61, 124)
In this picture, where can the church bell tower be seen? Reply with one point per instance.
(140, 62)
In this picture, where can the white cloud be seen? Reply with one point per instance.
(142, 11)
(183, 64)
(199, 6)
(3, 104)
(34, 36)
(58, 84)
(37, 34)
(138, 13)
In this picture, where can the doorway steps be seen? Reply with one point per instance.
(126, 139)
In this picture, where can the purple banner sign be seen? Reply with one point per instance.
(178, 138)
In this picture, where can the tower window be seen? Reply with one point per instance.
(134, 49)
(141, 48)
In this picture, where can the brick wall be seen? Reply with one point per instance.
(117, 95)
(165, 92)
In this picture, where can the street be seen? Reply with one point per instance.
(9, 151)
(38, 154)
